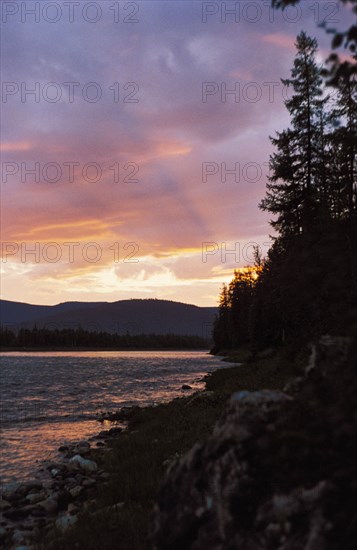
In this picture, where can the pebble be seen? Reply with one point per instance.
(27, 507)
(63, 522)
(76, 491)
(85, 464)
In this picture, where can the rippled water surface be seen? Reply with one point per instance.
(49, 398)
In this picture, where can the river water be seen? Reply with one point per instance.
(52, 398)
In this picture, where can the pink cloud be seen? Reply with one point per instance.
(281, 40)
(13, 146)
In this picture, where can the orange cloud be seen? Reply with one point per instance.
(10, 146)
(80, 230)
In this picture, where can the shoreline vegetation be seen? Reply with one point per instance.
(136, 459)
(44, 339)
(79, 349)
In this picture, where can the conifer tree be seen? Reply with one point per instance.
(293, 187)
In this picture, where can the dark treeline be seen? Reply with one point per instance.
(307, 285)
(42, 338)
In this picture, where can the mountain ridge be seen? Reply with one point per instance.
(134, 316)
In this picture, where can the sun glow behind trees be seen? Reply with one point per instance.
(307, 284)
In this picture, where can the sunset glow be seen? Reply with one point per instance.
(143, 178)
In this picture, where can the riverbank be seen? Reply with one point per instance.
(99, 349)
(117, 513)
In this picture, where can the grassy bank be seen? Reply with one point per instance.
(139, 457)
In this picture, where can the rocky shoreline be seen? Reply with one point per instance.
(279, 469)
(59, 490)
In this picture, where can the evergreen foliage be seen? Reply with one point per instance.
(43, 338)
(307, 285)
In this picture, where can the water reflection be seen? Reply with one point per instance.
(49, 398)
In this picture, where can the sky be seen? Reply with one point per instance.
(135, 143)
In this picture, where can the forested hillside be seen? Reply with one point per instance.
(307, 284)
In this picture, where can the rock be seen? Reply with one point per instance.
(63, 522)
(103, 433)
(76, 491)
(72, 467)
(34, 484)
(33, 498)
(71, 481)
(186, 387)
(83, 443)
(89, 482)
(204, 395)
(18, 514)
(115, 431)
(4, 504)
(49, 505)
(19, 490)
(288, 487)
(9, 489)
(3, 533)
(85, 464)
(82, 448)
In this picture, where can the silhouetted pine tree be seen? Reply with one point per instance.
(308, 283)
(293, 187)
(344, 140)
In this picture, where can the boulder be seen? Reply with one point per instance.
(85, 464)
(278, 472)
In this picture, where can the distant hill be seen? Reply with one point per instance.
(126, 316)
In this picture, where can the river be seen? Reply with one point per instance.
(52, 398)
